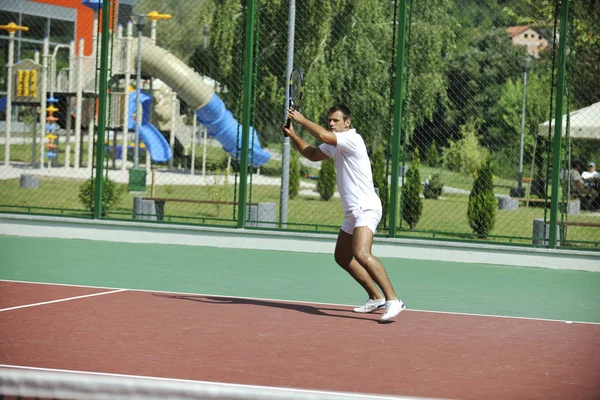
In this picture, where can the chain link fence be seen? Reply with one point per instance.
(459, 107)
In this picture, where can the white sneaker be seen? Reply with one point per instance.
(392, 308)
(370, 306)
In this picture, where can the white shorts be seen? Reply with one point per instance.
(356, 218)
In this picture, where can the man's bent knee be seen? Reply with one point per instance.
(363, 257)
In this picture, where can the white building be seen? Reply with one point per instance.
(524, 35)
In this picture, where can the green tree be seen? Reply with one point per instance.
(432, 39)
(174, 33)
(465, 155)
(378, 165)
(481, 212)
(505, 140)
(412, 204)
(344, 48)
(432, 157)
(294, 183)
(361, 56)
(586, 40)
(112, 193)
(477, 75)
(326, 182)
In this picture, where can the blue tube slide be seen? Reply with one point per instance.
(155, 142)
(222, 126)
(200, 95)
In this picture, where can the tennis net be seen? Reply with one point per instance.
(67, 385)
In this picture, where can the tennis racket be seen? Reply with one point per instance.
(294, 91)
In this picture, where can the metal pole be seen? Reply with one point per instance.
(78, 105)
(43, 103)
(194, 132)
(520, 184)
(285, 152)
(19, 36)
(246, 111)
(139, 23)
(397, 125)
(204, 144)
(53, 85)
(68, 105)
(9, 84)
(204, 130)
(126, 97)
(94, 33)
(174, 114)
(560, 84)
(153, 30)
(103, 97)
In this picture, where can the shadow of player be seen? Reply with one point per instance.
(304, 308)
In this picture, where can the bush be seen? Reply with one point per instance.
(432, 156)
(481, 212)
(272, 168)
(326, 182)
(219, 188)
(433, 187)
(110, 197)
(506, 163)
(380, 179)
(412, 202)
(294, 183)
(465, 155)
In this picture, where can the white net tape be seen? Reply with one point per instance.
(94, 386)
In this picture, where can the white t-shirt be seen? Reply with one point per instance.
(590, 175)
(353, 172)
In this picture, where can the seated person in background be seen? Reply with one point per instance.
(578, 190)
(591, 177)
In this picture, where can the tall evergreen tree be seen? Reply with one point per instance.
(482, 207)
(412, 204)
(294, 183)
(326, 182)
(380, 179)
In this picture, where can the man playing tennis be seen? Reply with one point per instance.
(362, 206)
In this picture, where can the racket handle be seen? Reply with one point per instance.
(288, 123)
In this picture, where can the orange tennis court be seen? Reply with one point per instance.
(298, 345)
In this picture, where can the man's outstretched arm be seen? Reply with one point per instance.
(321, 134)
(310, 152)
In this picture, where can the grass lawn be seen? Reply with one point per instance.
(444, 217)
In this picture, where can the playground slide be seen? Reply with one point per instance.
(210, 109)
(155, 142)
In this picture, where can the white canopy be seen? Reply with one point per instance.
(583, 123)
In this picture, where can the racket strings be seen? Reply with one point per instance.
(296, 87)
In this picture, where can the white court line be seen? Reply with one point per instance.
(61, 300)
(306, 302)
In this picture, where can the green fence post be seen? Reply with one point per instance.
(246, 112)
(102, 95)
(560, 83)
(397, 125)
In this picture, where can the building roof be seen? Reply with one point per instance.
(515, 30)
(28, 7)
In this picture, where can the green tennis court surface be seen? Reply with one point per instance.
(423, 285)
(273, 323)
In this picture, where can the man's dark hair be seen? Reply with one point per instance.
(340, 107)
(578, 164)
